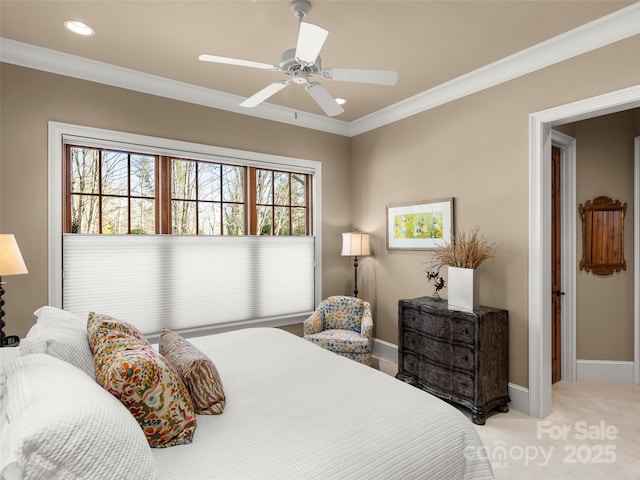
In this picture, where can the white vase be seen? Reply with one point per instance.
(462, 289)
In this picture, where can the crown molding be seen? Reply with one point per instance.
(53, 61)
(603, 31)
(614, 27)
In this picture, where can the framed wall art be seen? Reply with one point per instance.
(420, 225)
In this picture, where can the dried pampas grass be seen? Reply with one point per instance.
(468, 250)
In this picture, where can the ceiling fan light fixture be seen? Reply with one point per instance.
(81, 28)
(340, 101)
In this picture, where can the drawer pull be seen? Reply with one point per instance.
(465, 331)
(465, 357)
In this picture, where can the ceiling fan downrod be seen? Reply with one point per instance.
(300, 8)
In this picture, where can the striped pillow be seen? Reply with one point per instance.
(198, 372)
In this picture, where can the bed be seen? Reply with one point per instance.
(293, 411)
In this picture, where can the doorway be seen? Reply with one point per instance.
(540, 140)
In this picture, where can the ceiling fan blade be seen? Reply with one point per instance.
(237, 61)
(324, 99)
(310, 40)
(379, 77)
(265, 93)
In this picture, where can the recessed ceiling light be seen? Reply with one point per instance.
(341, 101)
(79, 27)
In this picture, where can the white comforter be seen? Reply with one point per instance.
(296, 411)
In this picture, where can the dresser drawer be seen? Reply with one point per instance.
(412, 342)
(436, 326)
(436, 376)
(410, 364)
(463, 331)
(462, 384)
(437, 351)
(462, 357)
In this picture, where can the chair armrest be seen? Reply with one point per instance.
(313, 324)
(366, 324)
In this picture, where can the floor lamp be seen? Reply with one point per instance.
(11, 263)
(355, 244)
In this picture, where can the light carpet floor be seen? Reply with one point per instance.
(593, 432)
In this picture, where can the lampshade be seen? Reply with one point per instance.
(355, 244)
(11, 262)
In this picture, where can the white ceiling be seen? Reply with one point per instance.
(427, 42)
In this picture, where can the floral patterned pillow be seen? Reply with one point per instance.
(99, 325)
(144, 382)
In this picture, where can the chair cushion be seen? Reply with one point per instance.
(338, 340)
(343, 313)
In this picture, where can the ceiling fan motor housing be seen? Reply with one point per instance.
(298, 71)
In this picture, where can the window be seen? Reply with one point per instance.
(163, 233)
(114, 192)
(281, 199)
(110, 191)
(207, 198)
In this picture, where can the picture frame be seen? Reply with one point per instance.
(425, 225)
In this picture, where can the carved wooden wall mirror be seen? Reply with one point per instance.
(603, 236)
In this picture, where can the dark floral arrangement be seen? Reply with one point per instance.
(434, 274)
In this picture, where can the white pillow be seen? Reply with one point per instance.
(26, 347)
(66, 337)
(61, 424)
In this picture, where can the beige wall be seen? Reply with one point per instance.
(31, 98)
(604, 166)
(474, 149)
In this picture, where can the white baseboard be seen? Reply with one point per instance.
(519, 398)
(385, 350)
(519, 395)
(604, 371)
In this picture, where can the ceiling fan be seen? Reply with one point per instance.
(303, 62)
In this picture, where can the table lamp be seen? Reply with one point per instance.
(11, 263)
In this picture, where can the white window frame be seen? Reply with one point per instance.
(62, 133)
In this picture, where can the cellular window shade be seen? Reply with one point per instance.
(188, 282)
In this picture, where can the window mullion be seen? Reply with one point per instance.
(101, 151)
(165, 194)
(252, 207)
(308, 185)
(196, 211)
(67, 186)
(128, 193)
(290, 207)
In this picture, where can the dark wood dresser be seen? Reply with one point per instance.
(461, 357)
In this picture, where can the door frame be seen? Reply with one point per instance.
(568, 238)
(636, 260)
(540, 124)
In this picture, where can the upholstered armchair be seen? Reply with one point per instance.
(343, 325)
